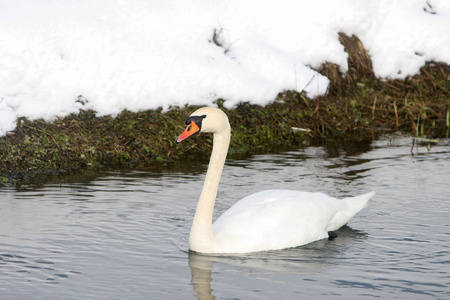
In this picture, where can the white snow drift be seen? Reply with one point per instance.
(145, 54)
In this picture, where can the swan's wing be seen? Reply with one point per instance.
(276, 219)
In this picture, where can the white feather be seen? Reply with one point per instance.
(278, 219)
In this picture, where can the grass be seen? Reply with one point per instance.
(356, 104)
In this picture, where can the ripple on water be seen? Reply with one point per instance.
(124, 234)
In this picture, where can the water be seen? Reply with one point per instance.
(124, 234)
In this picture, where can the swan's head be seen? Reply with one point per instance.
(205, 119)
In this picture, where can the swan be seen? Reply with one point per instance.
(266, 220)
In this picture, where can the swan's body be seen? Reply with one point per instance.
(267, 220)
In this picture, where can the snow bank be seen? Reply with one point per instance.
(145, 54)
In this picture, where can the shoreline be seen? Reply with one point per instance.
(356, 104)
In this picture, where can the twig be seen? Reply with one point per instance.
(421, 139)
(373, 107)
(396, 115)
(301, 129)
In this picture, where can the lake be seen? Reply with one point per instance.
(124, 234)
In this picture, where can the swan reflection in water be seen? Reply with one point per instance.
(301, 261)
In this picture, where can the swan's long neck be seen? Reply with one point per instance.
(202, 238)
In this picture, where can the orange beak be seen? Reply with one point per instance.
(189, 131)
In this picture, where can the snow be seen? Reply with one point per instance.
(145, 54)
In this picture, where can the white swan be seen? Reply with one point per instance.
(267, 220)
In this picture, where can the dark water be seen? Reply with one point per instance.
(123, 235)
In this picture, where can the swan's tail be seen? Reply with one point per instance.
(357, 203)
(354, 205)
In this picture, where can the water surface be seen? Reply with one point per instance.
(124, 234)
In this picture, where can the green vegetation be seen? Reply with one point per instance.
(357, 104)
